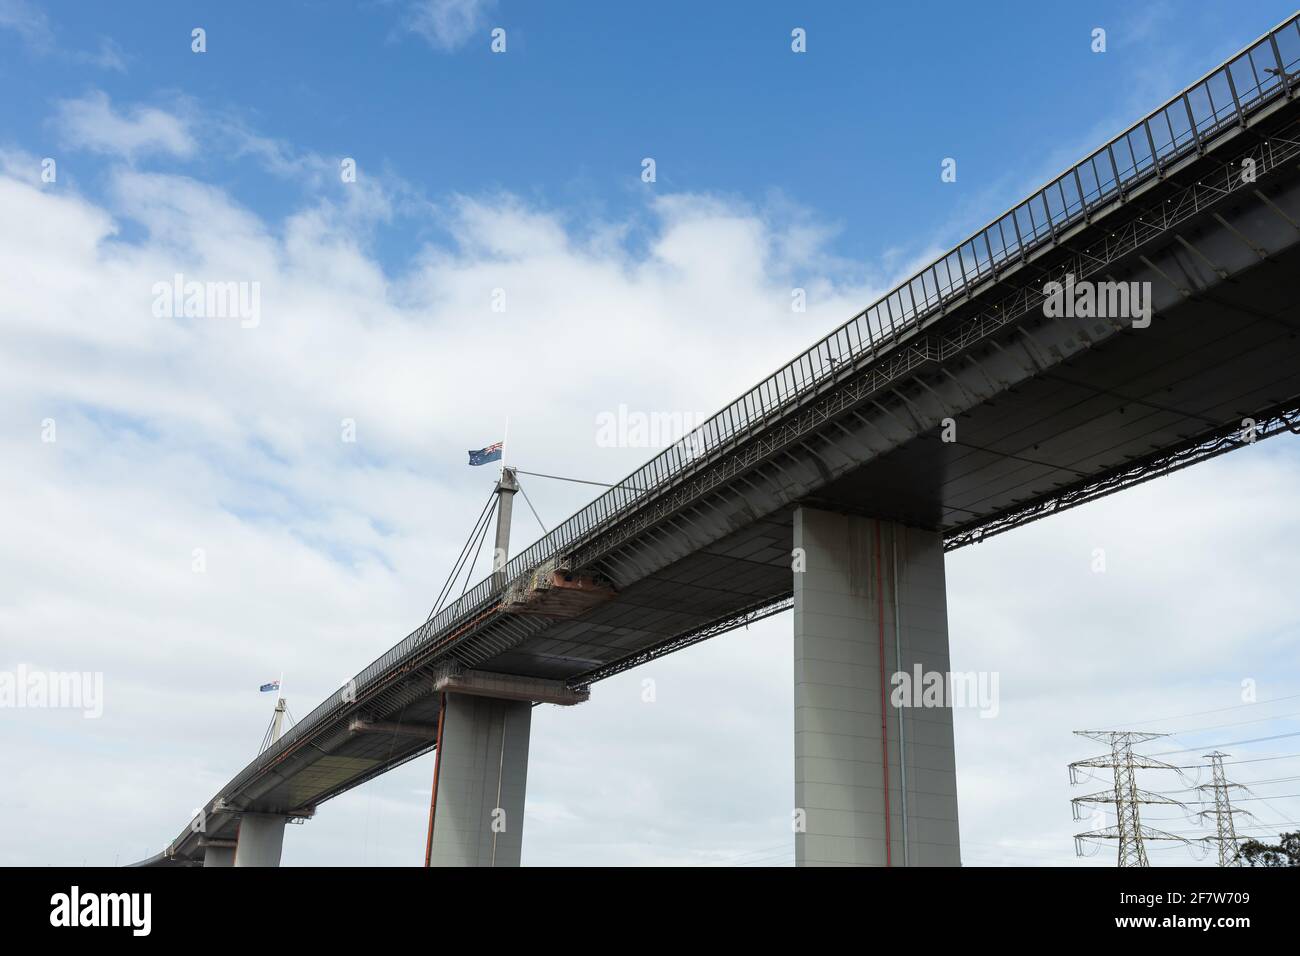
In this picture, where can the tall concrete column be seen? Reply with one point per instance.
(219, 856)
(846, 621)
(261, 838)
(478, 807)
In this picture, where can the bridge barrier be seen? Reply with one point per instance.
(1265, 70)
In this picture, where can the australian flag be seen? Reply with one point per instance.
(274, 685)
(485, 455)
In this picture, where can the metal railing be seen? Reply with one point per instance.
(1261, 72)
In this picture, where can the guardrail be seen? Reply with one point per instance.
(1266, 69)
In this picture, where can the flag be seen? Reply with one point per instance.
(485, 455)
(274, 685)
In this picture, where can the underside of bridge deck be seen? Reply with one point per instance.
(1047, 406)
(987, 411)
(1203, 366)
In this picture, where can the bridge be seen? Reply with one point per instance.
(1135, 316)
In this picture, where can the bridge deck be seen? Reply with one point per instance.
(1044, 408)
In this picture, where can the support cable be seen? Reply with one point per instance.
(484, 515)
(577, 481)
(469, 569)
(456, 568)
(541, 524)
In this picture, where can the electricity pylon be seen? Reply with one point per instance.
(1126, 795)
(1225, 831)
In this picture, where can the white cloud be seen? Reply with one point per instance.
(90, 122)
(28, 20)
(109, 56)
(447, 24)
(176, 434)
(33, 25)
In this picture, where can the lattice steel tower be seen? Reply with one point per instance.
(1225, 832)
(1126, 795)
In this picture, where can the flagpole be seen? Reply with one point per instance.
(506, 488)
(504, 437)
(277, 717)
(280, 705)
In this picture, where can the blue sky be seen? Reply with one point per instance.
(852, 132)
(522, 172)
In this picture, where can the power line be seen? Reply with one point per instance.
(1230, 743)
(768, 860)
(992, 849)
(1262, 759)
(1270, 827)
(1202, 713)
(1275, 796)
(1200, 766)
(739, 859)
(1238, 723)
(1250, 783)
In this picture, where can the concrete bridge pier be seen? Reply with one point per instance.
(877, 785)
(480, 775)
(477, 813)
(219, 854)
(260, 840)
